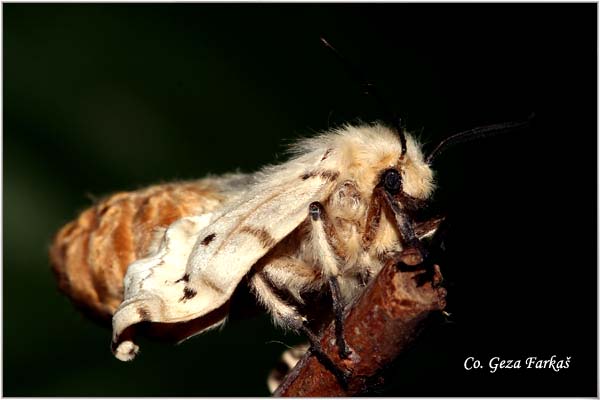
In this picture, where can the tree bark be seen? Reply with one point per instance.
(382, 323)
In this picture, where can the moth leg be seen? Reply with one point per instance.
(287, 315)
(316, 349)
(405, 225)
(283, 313)
(373, 218)
(324, 235)
(338, 309)
(293, 275)
(410, 232)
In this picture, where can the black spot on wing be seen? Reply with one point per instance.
(185, 278)
(208, 239)
(144, 314)
(188, 293)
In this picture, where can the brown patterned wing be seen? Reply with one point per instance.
(90, 255)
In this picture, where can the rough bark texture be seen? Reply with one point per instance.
(385, 320)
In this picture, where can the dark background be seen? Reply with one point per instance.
(100, 98)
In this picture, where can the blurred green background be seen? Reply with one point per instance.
(107, 97)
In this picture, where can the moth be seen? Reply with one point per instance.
(166, 260)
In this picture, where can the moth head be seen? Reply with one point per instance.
(364, 154)
(413, 175)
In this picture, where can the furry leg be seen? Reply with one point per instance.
(283, 314)
(373, 218)
(289, 317)
(323, 236)
(292, 275)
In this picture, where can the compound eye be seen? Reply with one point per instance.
(392, 181)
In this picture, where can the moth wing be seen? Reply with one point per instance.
(189, 281)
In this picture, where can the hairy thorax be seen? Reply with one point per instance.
(346, 213)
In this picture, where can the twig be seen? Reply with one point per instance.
(383, 322)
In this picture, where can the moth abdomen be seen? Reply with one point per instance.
(91, 254)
